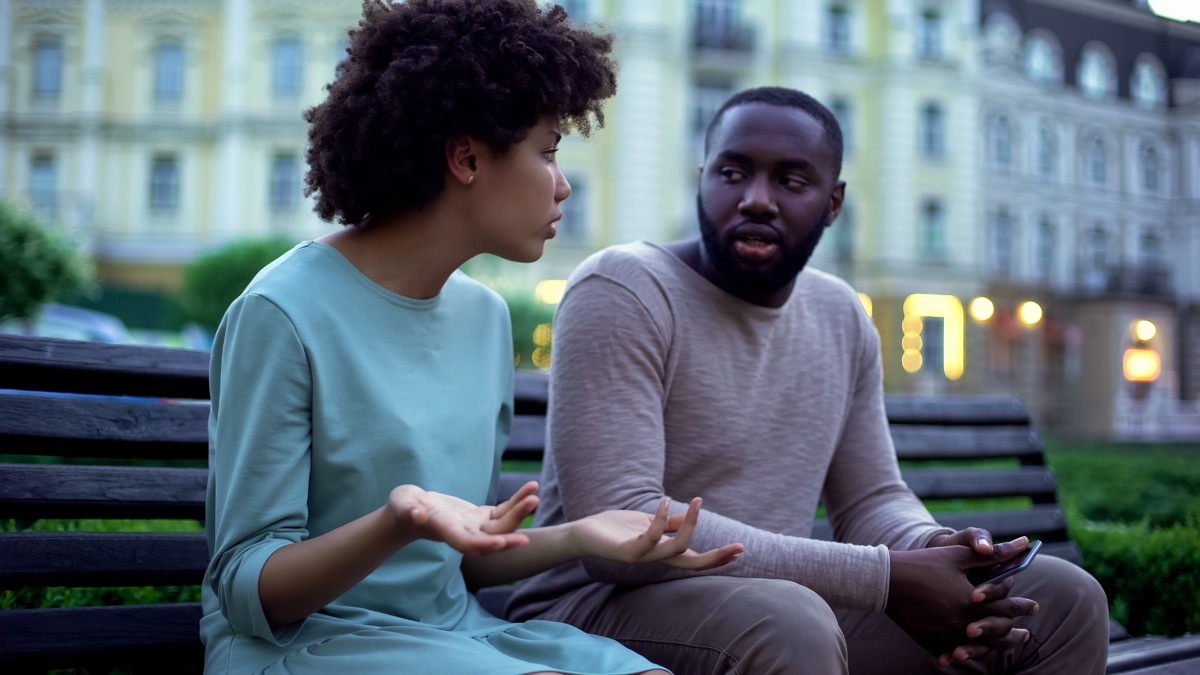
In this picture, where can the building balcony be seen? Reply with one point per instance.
(1148, 281)
(728, 36)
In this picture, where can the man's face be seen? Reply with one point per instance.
(767, 192)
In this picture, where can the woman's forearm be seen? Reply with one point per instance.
(548, 547)
(304, 577)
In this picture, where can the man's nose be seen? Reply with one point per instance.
(757, 202)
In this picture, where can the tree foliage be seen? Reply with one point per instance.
(37, 264)
(214, 280)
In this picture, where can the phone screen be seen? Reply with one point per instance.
(1003, 570)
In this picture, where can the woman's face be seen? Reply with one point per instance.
(519, 193)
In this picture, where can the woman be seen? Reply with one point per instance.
(362, 387)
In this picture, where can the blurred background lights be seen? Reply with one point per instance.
(1144, 330)
(1181, 10)
(1142, 365)
(1030, 313)
(982, 309)
(550, 291)
(867, 304)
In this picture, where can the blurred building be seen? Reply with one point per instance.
(1043, 151)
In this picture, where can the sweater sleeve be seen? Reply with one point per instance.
(608, 451)
(260, 429)
(865, 496)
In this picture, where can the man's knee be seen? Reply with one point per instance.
(772, 626)
(1060, 587)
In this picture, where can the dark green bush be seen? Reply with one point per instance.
(532, 345)
(40, 265)
(215, 279)
(1128, 483)
(1151, 574)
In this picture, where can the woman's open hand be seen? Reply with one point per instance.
(636, 537)
(466, 527)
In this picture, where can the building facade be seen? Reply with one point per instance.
(1018, 151)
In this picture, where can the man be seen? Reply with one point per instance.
(721, 366)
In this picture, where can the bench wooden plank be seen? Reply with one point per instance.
(1037, 483)
(99, 427)
(1040, 522)
(31, 491)
(161, 634)
(45, 364)
(925, 442)
(957, 409)
(79, 559)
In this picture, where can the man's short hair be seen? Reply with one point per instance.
(787, 98)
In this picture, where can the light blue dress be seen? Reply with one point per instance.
(327, 392)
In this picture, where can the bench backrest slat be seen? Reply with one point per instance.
(31, 491)
(101, 559)
(147, 634)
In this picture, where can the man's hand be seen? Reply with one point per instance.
(931, 599)
(466, 527)
(636, 537)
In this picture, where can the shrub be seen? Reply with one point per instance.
(1151, 574)
(215, 279)
(40, 265)
(1128, 483)
(531, 320)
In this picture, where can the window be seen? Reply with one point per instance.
(1097, 163)
(164, 184)
(931, 244)
(1042, 62)
(837, 29)
(1150, 169)
(1095, 73)
(1002, 242)
(707, 98)
(719, 24)
(1147, 86)
(929, 35)
(284, 189)
(1001, 38)
(1044, 250)
(287, 67)
(842, 110)
(843, 235)
(573, 228)
(168, 71)
(1047, 150)
(47, 68)
(1002, 142)
(43, 186)
(1151, 250)
(932, 131)
(1097, 248)
(933, 332)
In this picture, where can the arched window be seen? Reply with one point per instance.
(1001, 39)
(1002, 242)
(1043, 59)
(1002, 142)
(1096, 72)
(1147, 85)
(1097, 162)
(931, 244)
(168, 70)
(1047, 242)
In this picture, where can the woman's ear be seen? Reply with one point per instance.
(460, 159)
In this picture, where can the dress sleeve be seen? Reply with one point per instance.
(260, 432)
(609, 451)
(867, 500)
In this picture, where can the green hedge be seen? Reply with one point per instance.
(1150, 573)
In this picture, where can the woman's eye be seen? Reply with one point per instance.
(549, 154)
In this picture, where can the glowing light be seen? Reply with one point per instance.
(1142, 365)
(911, 361)
(550, 291)
(982, 309)
(950, 310)
(1180, 10)
(543, 335)
(541, 358)
(1144, 330)
(867, 304)
(1030, 313)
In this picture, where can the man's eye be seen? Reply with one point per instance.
(732, 174)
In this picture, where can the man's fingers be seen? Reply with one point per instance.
(992, 592)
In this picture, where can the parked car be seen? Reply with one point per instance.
(70, 323)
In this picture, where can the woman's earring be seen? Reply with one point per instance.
(470, 179)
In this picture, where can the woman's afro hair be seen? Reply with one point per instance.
(420, 72)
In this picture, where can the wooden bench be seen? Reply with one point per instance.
(168, 421)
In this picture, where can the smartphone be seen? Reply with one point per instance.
(1003, 570)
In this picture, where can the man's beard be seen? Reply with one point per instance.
(747, 283)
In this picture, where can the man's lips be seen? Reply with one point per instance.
(754, 242)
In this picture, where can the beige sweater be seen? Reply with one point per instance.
(663, 384)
